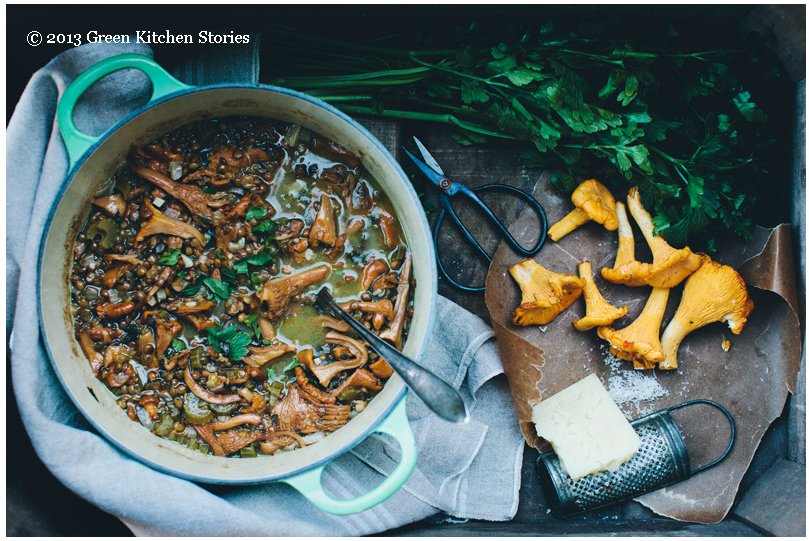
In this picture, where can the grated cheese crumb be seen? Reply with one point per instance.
(629, 386)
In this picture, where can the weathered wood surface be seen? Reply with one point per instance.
(590, 528)
(780, 489)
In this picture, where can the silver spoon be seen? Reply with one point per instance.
(435, 392)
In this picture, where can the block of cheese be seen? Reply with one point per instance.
(586, 429)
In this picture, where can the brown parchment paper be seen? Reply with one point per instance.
(751, 380)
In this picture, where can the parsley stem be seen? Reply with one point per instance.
(460, 73)
(430, 117)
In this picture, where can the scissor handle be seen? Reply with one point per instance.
(503, 228)
(469, 238)
(510, 240)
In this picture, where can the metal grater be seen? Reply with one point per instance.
(662, 460)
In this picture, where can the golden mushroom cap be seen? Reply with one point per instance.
(714, 293)
(597, 201)
(677, 267)
(545, 294)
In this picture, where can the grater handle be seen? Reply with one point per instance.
(724, 412)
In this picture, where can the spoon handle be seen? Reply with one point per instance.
(435, 392)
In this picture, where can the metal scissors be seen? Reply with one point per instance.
(449, 189)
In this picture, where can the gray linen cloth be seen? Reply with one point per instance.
(467, 471)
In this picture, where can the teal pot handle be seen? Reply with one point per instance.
(78, 142)
(396, 426)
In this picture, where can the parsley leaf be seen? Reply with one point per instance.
(267, 226)
(255, 212)
(292, 364)
(238, 346)
(252, 322)
(170, 258)
(191, 290)
(218, 288)
(229, 341)
(258, 259)
(229, 277)
(240, 267)
(177, 345)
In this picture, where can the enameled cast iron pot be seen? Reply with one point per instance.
(94, 159)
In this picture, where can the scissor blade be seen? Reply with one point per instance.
(428, 171)
(428, 158)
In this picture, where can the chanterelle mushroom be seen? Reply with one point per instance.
(669, 267)
(277, 292)
(640, 341)
(325, 228)
(593, 201)
(167, 329)
(298, 414)
(599, 311)
(361, 379)
(258, 357)
(393, 333)
(714, 293)
(193, 197)
(326, 372)
(160, 224)
(626, 269)
(545, 294)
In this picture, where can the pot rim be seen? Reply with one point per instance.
(75, 166)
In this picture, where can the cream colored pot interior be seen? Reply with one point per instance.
(94, 398)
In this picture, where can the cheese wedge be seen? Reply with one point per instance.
(586, 429)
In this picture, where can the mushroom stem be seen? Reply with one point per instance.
(393, 333)
(574, 219)
(207, 395)
(598, 311)
(640, 341)
(661, 249)
(243, 419)
(626, 239)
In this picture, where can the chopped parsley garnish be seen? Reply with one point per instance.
(252, 322)
(229, 277)
(240, 267)
(267, 226)
(229, 341)
(177, 345)
(255, 212)
(218, 288)
(292, 364)
(257, 281)
(258, 259)
(191, 290)
(170, 258)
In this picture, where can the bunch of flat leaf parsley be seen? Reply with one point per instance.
(583, 102)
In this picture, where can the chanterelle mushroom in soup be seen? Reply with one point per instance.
(193, 281)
